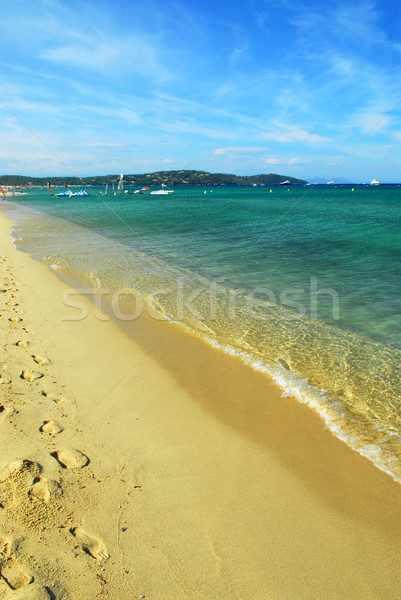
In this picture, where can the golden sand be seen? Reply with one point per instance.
(150, 465)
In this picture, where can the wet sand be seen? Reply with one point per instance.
(142, 463)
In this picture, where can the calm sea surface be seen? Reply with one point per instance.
(302, 283)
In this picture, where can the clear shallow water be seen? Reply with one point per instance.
(302, 283)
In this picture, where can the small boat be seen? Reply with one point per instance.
(70, 194)
(286, 182)
(163, 191)
(374, 182)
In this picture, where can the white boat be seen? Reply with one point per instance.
(163, 191)
(286, 182)
(70, 194)
(374, 182)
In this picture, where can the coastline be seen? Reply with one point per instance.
(202, 480)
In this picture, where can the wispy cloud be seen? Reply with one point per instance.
(189, 127)
(230, 150)
(101, 145)
(282, 161)
(286, 133)
(98, 52)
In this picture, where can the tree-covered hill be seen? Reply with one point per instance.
(170, 178)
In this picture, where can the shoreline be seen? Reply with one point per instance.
(202, 480)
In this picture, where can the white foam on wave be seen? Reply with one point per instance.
(58, 268)
(329, 410)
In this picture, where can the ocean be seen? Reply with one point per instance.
(302, 283)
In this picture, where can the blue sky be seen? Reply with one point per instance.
(309, 89)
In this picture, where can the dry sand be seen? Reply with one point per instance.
(162, 469)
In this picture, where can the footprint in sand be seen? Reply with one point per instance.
(40, 360)
(14, 319)
(43, 489)
(27, 330)
(5, 411)
(55, 397)
(35, 591)
(51, 427)
(70, 459)
(14, 575)
(40, 489)
(90, 544)
(28, 497)
(10, 570)
(31, 375)
(22, 343)
(4, 378)
(15, 480)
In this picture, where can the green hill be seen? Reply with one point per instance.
(170, 178)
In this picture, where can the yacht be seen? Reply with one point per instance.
(163, 191)
(374, 182)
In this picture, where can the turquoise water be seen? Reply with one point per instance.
(300, 282)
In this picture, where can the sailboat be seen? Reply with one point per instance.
(120, 186)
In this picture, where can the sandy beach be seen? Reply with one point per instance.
(141, 463)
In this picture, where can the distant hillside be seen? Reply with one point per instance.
(170, 178)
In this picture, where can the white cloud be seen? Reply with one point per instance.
(287, 133)
(230, 150)
(282, 161)
(96, 52)
(239, 53)
(101, 145)
(193, 127)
